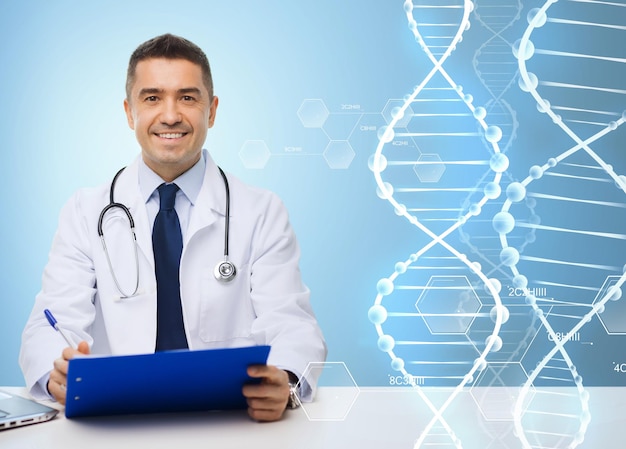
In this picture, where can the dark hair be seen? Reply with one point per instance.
(169, 46)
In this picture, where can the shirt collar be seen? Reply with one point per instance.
(189, 182)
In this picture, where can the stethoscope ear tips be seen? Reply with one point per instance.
(225, 271)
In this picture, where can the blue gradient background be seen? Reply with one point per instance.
(63, 72)
(63, 69)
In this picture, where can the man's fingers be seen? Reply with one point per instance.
(69, 353)
(265, 415)
(269, 373)
(83, 347)
(61, 365)
(267, 400)
(57, 386)
(57, 377)
(276, 392)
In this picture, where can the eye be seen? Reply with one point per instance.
(151, 98)
(188, 98)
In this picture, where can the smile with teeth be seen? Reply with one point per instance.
(171, 135)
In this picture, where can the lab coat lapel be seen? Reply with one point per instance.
(211, 201)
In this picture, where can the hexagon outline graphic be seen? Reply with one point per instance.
(609, 282)
(464, 318)
(345, 396)
(313, 113)
(339, 154)
(429, 167)
(254, 154)
(499, 393)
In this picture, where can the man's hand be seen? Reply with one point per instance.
(268, 400)
(58, 377)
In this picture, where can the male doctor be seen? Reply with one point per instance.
(170, 105)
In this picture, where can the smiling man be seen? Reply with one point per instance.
(171, 294)
(170, 108)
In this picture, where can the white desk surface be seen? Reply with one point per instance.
(380, 418)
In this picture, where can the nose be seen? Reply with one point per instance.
(170, 114)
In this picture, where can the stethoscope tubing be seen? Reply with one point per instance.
(224, 271)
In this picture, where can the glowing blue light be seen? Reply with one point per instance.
(496, 285)
(614, 293)
(520, 281)
(538, 16)
(480, 113)
(493, 134)
(386, 193)
(397, 113)
(400, 209)
(509, 256)
(480, 364)
(532, 84)
(524, 53)
(385, 134)
(386, 343)
(492, 190)
(515, 192)
(497, 342)
(400, 267)
(475, 209)
(384, 286)
(397, 364)
(377, 314)
(504, 311)
(503, 222)
(543, 106)
(535, 172)
(377, 164)
(499, 162)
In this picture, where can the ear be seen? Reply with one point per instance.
(213, 111)
(129, 114)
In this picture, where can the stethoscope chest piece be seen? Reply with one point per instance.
(225, 271)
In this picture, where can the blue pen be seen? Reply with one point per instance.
(53, 322)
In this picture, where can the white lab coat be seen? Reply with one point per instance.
(266, 303)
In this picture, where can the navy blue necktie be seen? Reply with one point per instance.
(167, 243)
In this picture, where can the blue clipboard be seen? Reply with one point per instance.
(169, 381)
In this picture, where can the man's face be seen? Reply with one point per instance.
(170, 111)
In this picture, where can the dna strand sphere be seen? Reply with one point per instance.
(438, 315)
(572, 62)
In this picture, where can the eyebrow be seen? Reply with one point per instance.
(155, 90)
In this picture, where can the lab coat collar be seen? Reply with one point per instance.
(209, 206)
(211, 201)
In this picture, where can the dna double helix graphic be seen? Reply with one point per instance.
(438, 315)
(496, 67)
(572, 62)
(441, 164)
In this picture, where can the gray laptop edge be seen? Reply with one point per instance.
(16, 411)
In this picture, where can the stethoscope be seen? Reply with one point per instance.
(224, 271)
